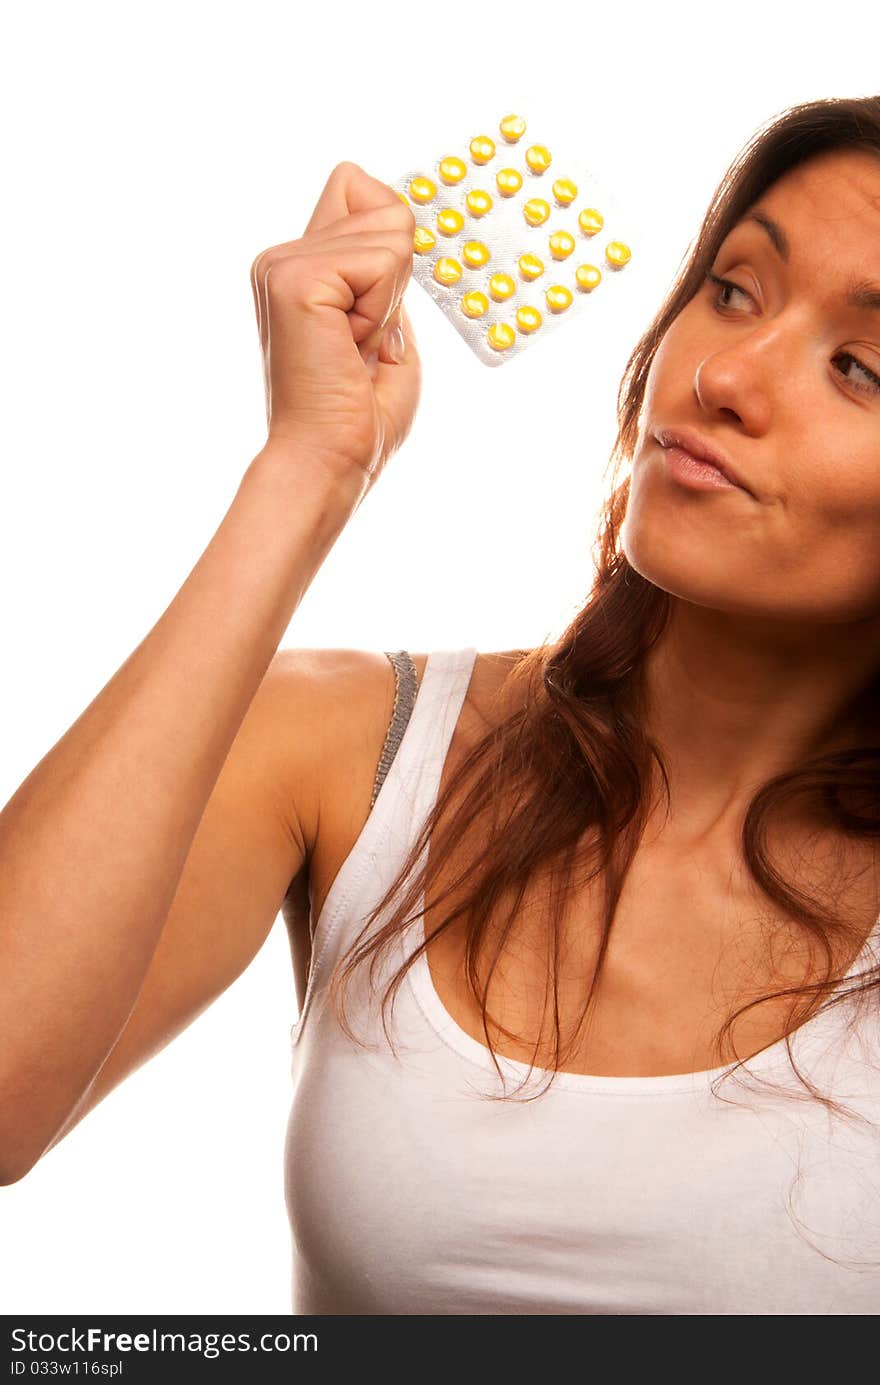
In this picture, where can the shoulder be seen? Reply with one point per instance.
(338, 694)
(323, 715)
(328, 711)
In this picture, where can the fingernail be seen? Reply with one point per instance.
(372, 364)
(396, 344)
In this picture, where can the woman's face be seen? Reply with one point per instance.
(784, 377)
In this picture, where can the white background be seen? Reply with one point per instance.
(150, 152)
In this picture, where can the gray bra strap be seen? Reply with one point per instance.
(406, 687)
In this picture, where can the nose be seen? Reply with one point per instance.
(744, 376)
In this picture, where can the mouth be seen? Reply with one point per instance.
(695, 461)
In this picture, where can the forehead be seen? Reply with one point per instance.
(839, 187)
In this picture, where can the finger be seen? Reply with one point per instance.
(399, 319)
(361, 281)
(385, 222)
(378, 221)
(350, 189)
(397, 386)
(365, 301)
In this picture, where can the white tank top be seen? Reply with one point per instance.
(409, 1192)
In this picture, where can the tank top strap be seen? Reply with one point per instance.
(415, 750)
(444, 685)
(405, 689)
(417, 767)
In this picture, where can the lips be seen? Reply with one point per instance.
(697, 446)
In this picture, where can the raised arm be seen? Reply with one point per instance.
(95, 841)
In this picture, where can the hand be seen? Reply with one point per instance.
(328, 306)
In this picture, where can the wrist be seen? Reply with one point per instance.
(297, 470)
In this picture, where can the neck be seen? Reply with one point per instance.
(733, 702)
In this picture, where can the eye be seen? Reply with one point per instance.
(873, 386)
(722, 285)
(872, 381)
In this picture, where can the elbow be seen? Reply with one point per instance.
(17, 1156)
(26, 1134)
(10, 1174)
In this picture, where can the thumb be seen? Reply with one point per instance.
(397, 339)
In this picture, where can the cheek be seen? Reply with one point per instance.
(817, 559)
(669, 386)
(829, 503)
(832, 540)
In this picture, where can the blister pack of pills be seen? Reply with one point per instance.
(513, 237)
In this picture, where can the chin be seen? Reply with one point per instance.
(685, 570)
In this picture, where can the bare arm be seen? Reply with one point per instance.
(94, 841)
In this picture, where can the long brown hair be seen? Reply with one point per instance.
(563, 781)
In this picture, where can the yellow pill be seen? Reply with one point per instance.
(421, 190)
(452, 169)
(404, 199)
(449, 221)
(565, 191)
(536, 211)
(587, 276)
(558, 298)
(561, 245)
(530, 267)
(482, 149)
(474, 304)
(512, 127)
(590, 221)
(617, 254)
(508, 181)
(478, 202)
(539, 158)
(447, 270)
(475, 254)
(501, 336)
(501, 287)
(528, 319)
(423, 240)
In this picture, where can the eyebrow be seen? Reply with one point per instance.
(863, 295)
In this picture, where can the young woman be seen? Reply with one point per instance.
(613, 1044)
